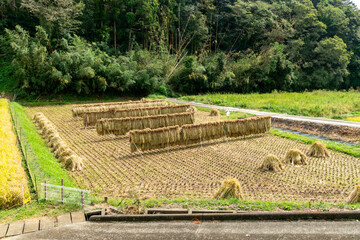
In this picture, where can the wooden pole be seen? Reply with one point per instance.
(45, 189)
(82, 198)
(62, 190)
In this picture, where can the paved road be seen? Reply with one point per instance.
(205, 230)
(274, 115)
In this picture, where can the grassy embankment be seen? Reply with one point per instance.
(329, 104)
(41, 165)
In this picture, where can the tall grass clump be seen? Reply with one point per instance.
(14, 190)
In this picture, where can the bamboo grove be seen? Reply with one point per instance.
(142, 47)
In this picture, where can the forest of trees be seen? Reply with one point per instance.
(179, 46)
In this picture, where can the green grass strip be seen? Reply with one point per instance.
(230, 204)
(36, 210)
(353, 150)
(41, 162)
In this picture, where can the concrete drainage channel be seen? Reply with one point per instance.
(154, 214)
(224, 215)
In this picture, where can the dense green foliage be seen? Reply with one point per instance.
(321, 103)
(161, 46)
(41, 162)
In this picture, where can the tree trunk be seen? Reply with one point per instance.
(115, 36)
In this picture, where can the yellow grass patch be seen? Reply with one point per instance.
(13, 183)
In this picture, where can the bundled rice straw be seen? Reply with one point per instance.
(60, 149)
(195, 133)
(150, 139)
(229, 189)
(295, 156)
(79, 110)
(214, 112)
(90, 118)
(318, 149)
(355, 195)
(120, 126)
(272, 163)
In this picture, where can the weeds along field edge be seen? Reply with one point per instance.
(320, 103)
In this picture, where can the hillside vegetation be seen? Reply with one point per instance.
(141, 47)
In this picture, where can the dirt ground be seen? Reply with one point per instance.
(197, 172)
(346, 134)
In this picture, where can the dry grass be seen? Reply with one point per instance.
(295, 156)
(193, 171)
(229, 189)
(272, 163)
(318, 149)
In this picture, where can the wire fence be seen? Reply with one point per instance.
(25, 147)
(65, 194)
(45, 190)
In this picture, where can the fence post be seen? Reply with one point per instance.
(62, 190)
(45, 189)
(82, 198)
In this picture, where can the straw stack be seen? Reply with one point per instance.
(60, 149)
(120, 126)
(150, 139)
(90, 118)
(195, 133)
(79, 110)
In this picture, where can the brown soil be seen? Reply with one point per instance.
(347, 134)
(197, 172)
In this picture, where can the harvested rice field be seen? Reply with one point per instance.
(198, 171)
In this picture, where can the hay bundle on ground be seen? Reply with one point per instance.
(295, 156)
(90, 118)
(229, 189)
(272, 163)
(149, 139)
(214, 112)
(120, 126)
(79, 110)
(318, 149)
(57, 145)
(73, 162)
(355, 195)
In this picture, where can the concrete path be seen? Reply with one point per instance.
(202, 230)
(274, 115)
(34, 225)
